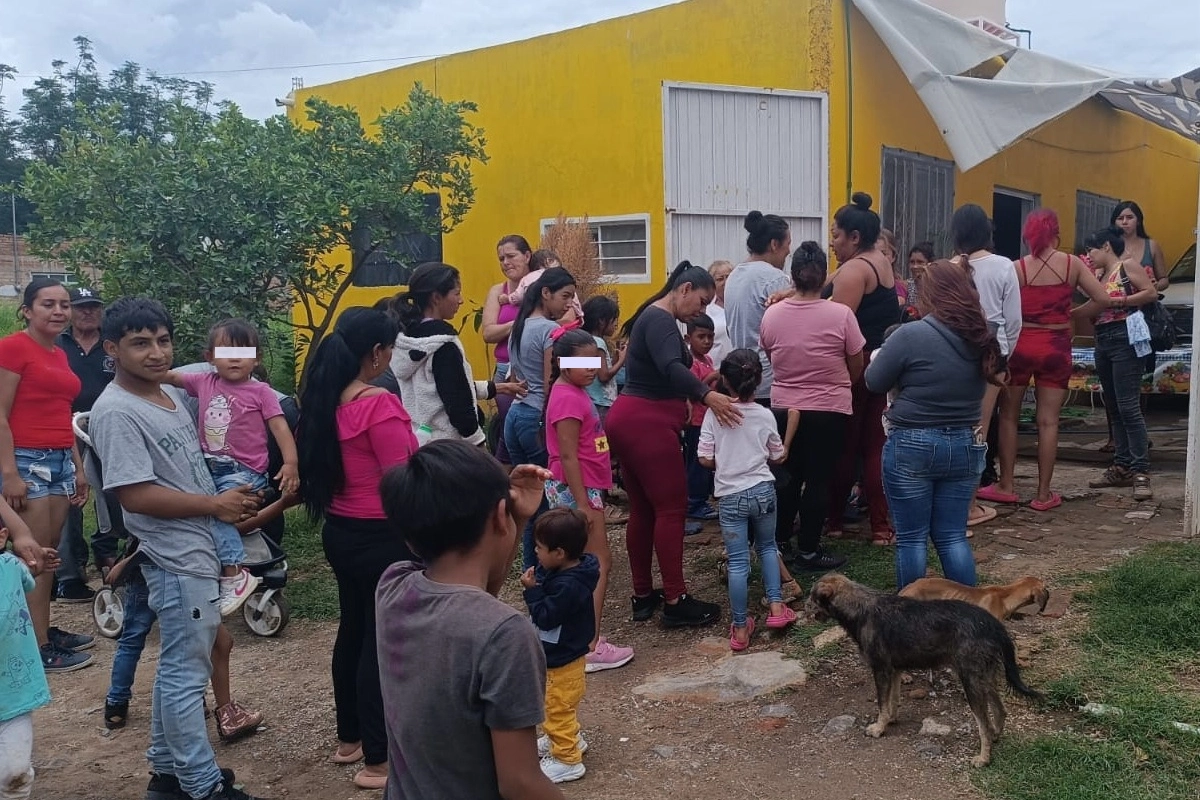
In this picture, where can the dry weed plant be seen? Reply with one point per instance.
(573, 244)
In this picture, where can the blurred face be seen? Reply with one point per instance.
(701, 341)
(549, 559)
(888, 251)
(555, 304)
(85, 319)
(50, 312)
(720, 275)
(445, 306)
(844, 245)
(143, 355)
(1102, 257)
(582, 376)
(1127, 221)
(690, 302)
(513, 263)
(917, 262)
(234, 370)
(777, 253)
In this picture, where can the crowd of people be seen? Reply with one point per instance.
(734, 384)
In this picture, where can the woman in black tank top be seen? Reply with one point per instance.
(864, 282)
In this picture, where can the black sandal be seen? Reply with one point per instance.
(115, 714)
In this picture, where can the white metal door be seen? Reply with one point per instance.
(729, 150)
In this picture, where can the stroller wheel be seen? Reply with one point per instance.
(267, 612)
(108, 611)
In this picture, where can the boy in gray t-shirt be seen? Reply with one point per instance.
(146, 438)
(462, 674)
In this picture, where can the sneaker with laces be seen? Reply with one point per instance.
(644, 607)
(688, 612)
(1141, 487)
(70, 641)
(236, 590)
(225, 790)
(55, 659)
(607, 656)
(234, 722)
(558, 772)
(74, 592)
(1113, 477)
(544, 745)
(166, 787)
(817, 562)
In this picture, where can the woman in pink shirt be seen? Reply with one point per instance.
(816, 351)
(341, 486)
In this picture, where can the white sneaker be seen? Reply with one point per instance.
(544, 745)
(558, 772)
(235, 591)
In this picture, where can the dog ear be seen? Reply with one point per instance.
(823, 590)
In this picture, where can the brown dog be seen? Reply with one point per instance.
(999, 601)
(895, 633)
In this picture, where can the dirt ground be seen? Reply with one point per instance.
(640, 748)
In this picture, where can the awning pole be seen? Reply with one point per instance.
(1191, 486)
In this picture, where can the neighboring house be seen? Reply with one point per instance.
(14, 275)
(667, 126)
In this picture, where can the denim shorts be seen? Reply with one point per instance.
(46, 472)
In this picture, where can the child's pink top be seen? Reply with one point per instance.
(233, 417)
(702, 367)
(376, 434)
(518, 294)
(568, 401)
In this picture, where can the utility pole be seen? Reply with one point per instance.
(16, 280)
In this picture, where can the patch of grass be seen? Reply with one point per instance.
(8, 316)
(311, 587)
(1142, 633)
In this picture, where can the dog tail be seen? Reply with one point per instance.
(1012, 673)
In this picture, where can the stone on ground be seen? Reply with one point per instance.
(729, 679)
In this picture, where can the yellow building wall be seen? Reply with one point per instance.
(574, 124)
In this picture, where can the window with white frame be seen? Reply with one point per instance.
(65, 278)
(623, 244)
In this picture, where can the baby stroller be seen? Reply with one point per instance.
(266, 612)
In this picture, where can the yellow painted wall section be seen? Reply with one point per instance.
(1094, 148)
(574, 120)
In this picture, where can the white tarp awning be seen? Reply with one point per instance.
(980, 116)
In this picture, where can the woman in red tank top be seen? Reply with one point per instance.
(1048, 279)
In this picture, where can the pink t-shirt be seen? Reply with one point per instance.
(702, 367)
(376, 434)
(233, 417)
(568, 401)
(807, 342)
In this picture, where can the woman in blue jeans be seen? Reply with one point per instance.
(529, 354)
(938, 368)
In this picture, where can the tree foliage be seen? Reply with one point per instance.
(218, 215)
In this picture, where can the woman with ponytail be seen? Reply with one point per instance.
(529, 352)
(340, 485)
(430, 363)
(939, 366)
(751, 285)
(644, 427)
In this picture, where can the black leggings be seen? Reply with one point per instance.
(359, 550)
(804, 486)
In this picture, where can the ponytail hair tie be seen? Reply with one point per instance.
(558, 332)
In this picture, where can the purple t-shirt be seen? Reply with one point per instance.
(568, 401)
(233, 417)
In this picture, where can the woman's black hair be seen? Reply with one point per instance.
(132, 314)
(29, 297)
(516, 240)
(1137, 212)
(809, 267)
(970, 229)
(429, 279)
(565, 346)
(684, 272)
(857, 217)
(336, 363)
(598, 312)
(925, 249)
(236, 333)
(741, 371)
(1111, 236)
(555, 279)
(442, 497)
(763, 229)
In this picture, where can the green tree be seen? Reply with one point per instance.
(12, 164)
(226, 216)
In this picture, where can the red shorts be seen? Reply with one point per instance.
(1043, 354)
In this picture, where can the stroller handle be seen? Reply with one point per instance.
(79, 424)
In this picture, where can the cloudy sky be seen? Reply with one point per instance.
(251, 49)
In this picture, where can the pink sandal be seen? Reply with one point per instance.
(1054, 502)
(781, 621)
(734, 644)
(994, 495)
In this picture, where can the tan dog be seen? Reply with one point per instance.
(999, 601)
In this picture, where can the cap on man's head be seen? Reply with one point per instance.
(84, 296)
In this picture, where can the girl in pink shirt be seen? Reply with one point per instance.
(340, 485)
(579, 462)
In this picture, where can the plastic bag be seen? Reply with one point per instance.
(1139, 333)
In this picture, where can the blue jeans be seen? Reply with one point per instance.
(699, 478)
(1120, 371)
(750, 512)
(139, 619)
(930, 476)
(229, 474)
(188, 618)
(526, 445)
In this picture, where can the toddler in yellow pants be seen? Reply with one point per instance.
(558, 593)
